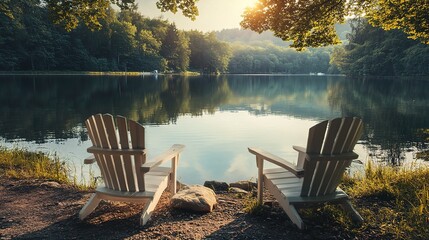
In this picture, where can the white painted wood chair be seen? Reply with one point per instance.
(320, 166)
(120, 153)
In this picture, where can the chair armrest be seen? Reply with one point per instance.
(277, 160)
(89, 160)
(175, 150)
(299, 149)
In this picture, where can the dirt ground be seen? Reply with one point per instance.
(32, 209)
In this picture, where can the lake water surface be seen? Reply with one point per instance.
(217, 118)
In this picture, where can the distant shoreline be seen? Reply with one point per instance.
(89, 73)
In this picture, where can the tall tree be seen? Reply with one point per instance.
(208, 54)
(175, 49)
(123, 42)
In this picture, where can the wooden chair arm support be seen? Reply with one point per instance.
(277, 160)
(299, 149)
(301, 156)
(342, 156)
(116, 151)
(89, 160)
(175, 150)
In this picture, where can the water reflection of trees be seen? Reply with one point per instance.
(54, 107)
(394, 111)
(41, 107)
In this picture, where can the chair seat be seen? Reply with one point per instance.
(155, 180)
(289, 186)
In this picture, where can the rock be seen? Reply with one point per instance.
(180, 185)
(195, 198)
(237, 190)
(217, 186)
(245, 185)
(51, 184)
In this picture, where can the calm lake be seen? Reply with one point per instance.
(216, 117)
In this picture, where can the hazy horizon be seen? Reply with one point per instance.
(214, 15)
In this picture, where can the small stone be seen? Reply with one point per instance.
(51, 184)
(217, 186)
(245, 185)
(237, 190)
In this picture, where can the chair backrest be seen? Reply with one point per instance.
(329, 152)
(119, 150)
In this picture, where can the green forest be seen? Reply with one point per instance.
(128, 41)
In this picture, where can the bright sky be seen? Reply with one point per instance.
(213, 14)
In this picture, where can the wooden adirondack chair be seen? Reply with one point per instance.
(120, 153)
(318, 172)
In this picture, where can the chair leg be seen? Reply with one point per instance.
(147, 212)
(150, 206)
(348, 207)
(92, 203)
(294, 216)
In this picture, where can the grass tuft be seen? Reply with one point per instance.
(397, 199)
(23, 164)
(20, 163)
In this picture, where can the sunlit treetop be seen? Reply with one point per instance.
(310, 23)
(69, 13)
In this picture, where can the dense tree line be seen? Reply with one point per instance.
(268, 58)
(130, 42)
(126, 42)
(374, 51)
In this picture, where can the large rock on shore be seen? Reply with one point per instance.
(195, 198)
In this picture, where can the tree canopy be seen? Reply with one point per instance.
(310, 23)
(91, 12)
(307, 23)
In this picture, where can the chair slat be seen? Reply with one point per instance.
(116, 161)
(128, 166)
(101, 130)
(327, 180)
(107, 178)
(106, 164)
(137, 141)
(309, 167)
(102, 165)
(358, 134)
(115, 144)
(110, 131)
(90, 133)
(338, 175)
(137, 134)
(342, 135)
(122, 132)
(319, 174)
(315, 137)
(348, 143)
(331, 135)
(94, 131)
